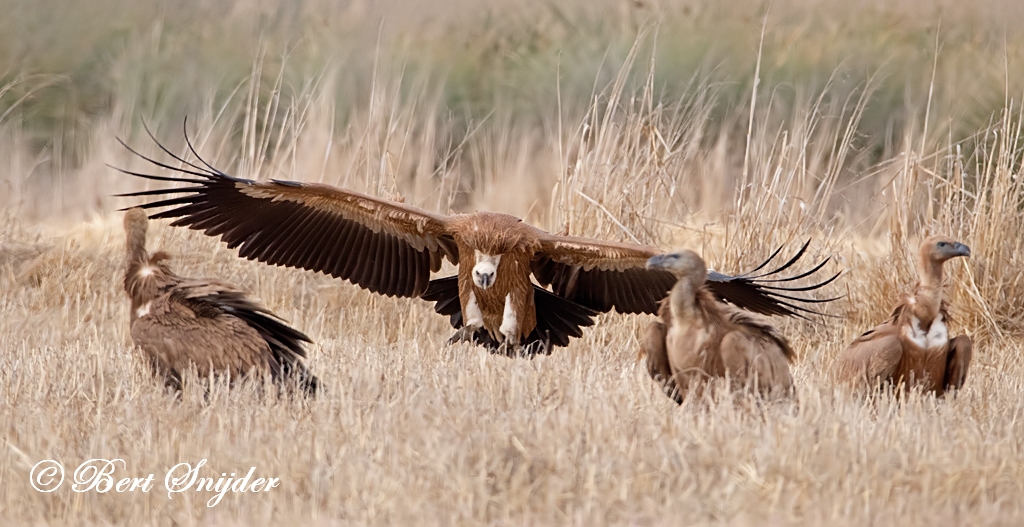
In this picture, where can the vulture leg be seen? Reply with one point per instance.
(957, 361)
(510, 348)
(463, 334)
(657, 360)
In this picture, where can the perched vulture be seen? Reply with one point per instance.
(913, 347)
(179, 322)
(697, 338)
(392, 249)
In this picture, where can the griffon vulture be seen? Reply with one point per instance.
(913, 347)
(697, 338)
(391, 248)
(179, 322)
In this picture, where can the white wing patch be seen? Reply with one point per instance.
(145, 271)
(143, 310)
(509, 324)
(474, 317)
(937, 335)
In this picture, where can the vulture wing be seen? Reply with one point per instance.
(957, 362)
(211, 299)
(380, 245)
(872, 357)
(605, 275)
(601, 275)
(653, 349)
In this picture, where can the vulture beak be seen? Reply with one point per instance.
(484, 273)
(960, 249)
(660, 261)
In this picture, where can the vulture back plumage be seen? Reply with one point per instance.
(181, 323)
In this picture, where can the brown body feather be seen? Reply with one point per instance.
(516, 242)
(912, 348)
(391, 248)
(698, 339)
(180, 323)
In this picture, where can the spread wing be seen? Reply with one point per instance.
(606, 275)
(601, 275)
(380, 245)
(871, 358)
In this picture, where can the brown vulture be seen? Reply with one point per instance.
(391, 248)
(913, 348)
(698, 338)
(182, 322)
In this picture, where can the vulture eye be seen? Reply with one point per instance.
(943, 244)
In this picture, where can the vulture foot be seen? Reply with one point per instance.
(464, 334)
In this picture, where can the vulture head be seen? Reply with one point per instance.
(938, 249)
(486, 269)
(687, 266)
(485, 237)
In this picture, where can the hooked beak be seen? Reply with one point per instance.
(658, 262)
(960, 249)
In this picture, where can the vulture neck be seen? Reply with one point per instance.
(136, 245)
(683, 300)
(928, 296)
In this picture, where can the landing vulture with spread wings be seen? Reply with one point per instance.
(913, 348)
(180, 323)
(698, 338)
(392, 249)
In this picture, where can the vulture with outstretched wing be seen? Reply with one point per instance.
(913, 348)
(698, 338)
(392, 249)
(181, 322)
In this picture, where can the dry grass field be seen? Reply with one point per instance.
(869, 125)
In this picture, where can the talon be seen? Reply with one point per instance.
(464, 334)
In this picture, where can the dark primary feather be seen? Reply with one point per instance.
(635, 290)
(640, 290)
(756, 292)
(287, 232)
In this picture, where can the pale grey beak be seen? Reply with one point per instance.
(660, 261)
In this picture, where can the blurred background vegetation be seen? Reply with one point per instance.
(482, 85)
